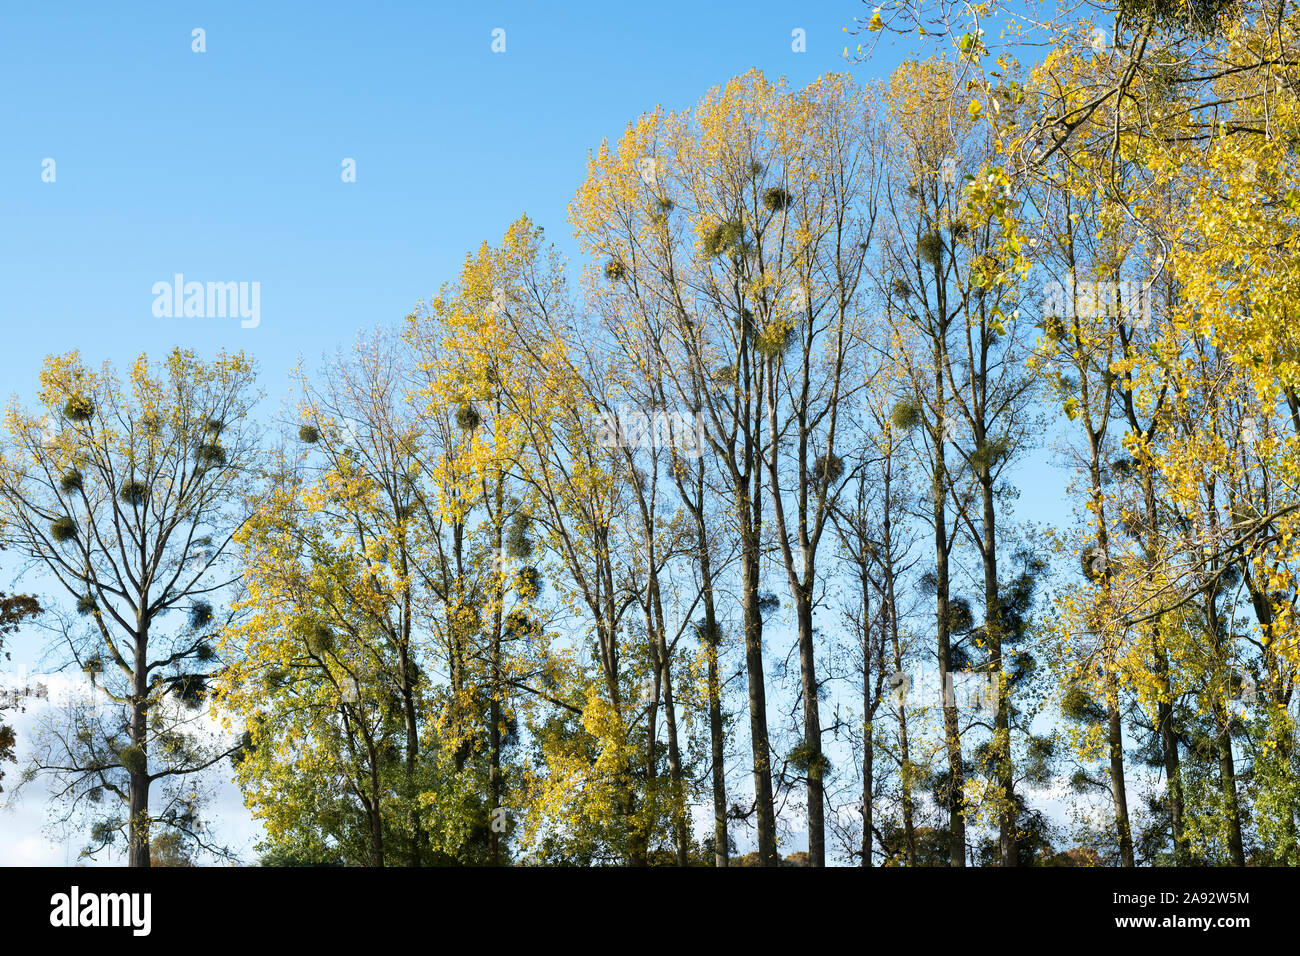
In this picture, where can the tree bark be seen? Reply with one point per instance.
(1004, 770)
(749, 572)
(138, 824)
(951, 730)
(1115, 744)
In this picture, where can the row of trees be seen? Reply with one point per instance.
(723, 541)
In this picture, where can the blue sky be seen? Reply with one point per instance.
(225, 165)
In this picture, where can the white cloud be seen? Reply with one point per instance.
(26, 838)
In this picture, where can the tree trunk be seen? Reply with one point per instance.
(811, 734)
(1114, 726)
(1228, 786)
(1223, 735)
(494, 705)
(868, 744)
(138, 855)
(1164, 705)
(494, 743)
(138, 792)
(1115, 743)
(681, 832)
(717, 754)
(1004, 770)
(373, 811)
(905, 768)
(1169, 744)
(749, 572)
(376, 837)
(712, 639)
(412, 752)
(951, 730)
(868, 756)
